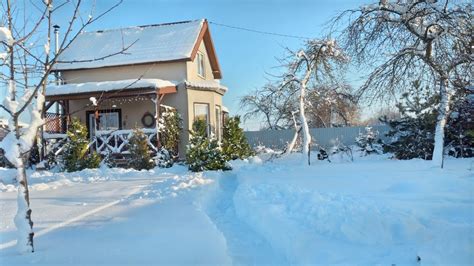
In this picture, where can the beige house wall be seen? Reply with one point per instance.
(179, 101)
(192, 66)
(132, 110)
(174, 71)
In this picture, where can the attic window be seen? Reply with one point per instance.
(200, 62)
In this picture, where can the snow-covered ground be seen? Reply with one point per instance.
(278, 212)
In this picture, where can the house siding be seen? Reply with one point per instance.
(173, 71)
(192, 66)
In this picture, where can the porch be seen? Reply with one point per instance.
(110, 110)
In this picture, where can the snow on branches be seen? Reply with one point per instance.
(315, 63)
(400, 41)
(6, 36)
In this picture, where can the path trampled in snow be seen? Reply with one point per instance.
(245, 246)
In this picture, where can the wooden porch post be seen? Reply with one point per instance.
(42, 151)
(158, 99)
(65, 117)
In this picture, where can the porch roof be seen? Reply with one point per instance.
(119, 87)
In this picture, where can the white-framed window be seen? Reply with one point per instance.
(219, 128)
(200, 64)
(201, 112)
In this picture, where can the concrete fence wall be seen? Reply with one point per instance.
(326, 137)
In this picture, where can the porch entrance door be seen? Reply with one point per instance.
(108, 120)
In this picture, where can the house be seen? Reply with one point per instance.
(120, 79)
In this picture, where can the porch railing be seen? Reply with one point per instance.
(117, 141)
(104, 142)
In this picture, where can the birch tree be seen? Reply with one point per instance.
(403, 40)
(317, 63)
(26, 70)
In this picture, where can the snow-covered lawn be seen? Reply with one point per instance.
(371, 211)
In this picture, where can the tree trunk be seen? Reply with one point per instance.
(23, 221)
(304, 124)
(443, 109)
(292, 144)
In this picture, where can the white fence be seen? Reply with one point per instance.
(278, 139)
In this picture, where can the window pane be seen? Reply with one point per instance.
(102, 122)
(112, 121)
(201, 111)
(218, 123)
(200, 62)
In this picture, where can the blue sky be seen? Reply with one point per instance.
(245, 57)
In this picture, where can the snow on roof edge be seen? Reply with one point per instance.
(147, 26)
(206, 84)
(105, 86)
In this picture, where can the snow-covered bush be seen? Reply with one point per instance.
(203, 152)
(163, 158)
(340, 152)
(76, 151)
(234, 143)
(171, 126)
(140, 157)
(460, 128)
(368, 142)
(261, 149)
(412, 136)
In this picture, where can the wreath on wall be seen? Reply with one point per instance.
(148, 120)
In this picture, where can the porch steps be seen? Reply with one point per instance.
(119, 160)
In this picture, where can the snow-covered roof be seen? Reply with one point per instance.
(152, 43)
(207, 85)
(105, 86)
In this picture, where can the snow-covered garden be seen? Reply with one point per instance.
(190, 190)
(370, 211)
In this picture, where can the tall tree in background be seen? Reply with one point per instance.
(327, 106)
(332, 106)
(424, 39)
(273, 104)
(25, 66)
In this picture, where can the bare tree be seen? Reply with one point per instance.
(315, 64)
(329, 106)
(326, 106)
(273, 104)
(405, 40)
(26, 91)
